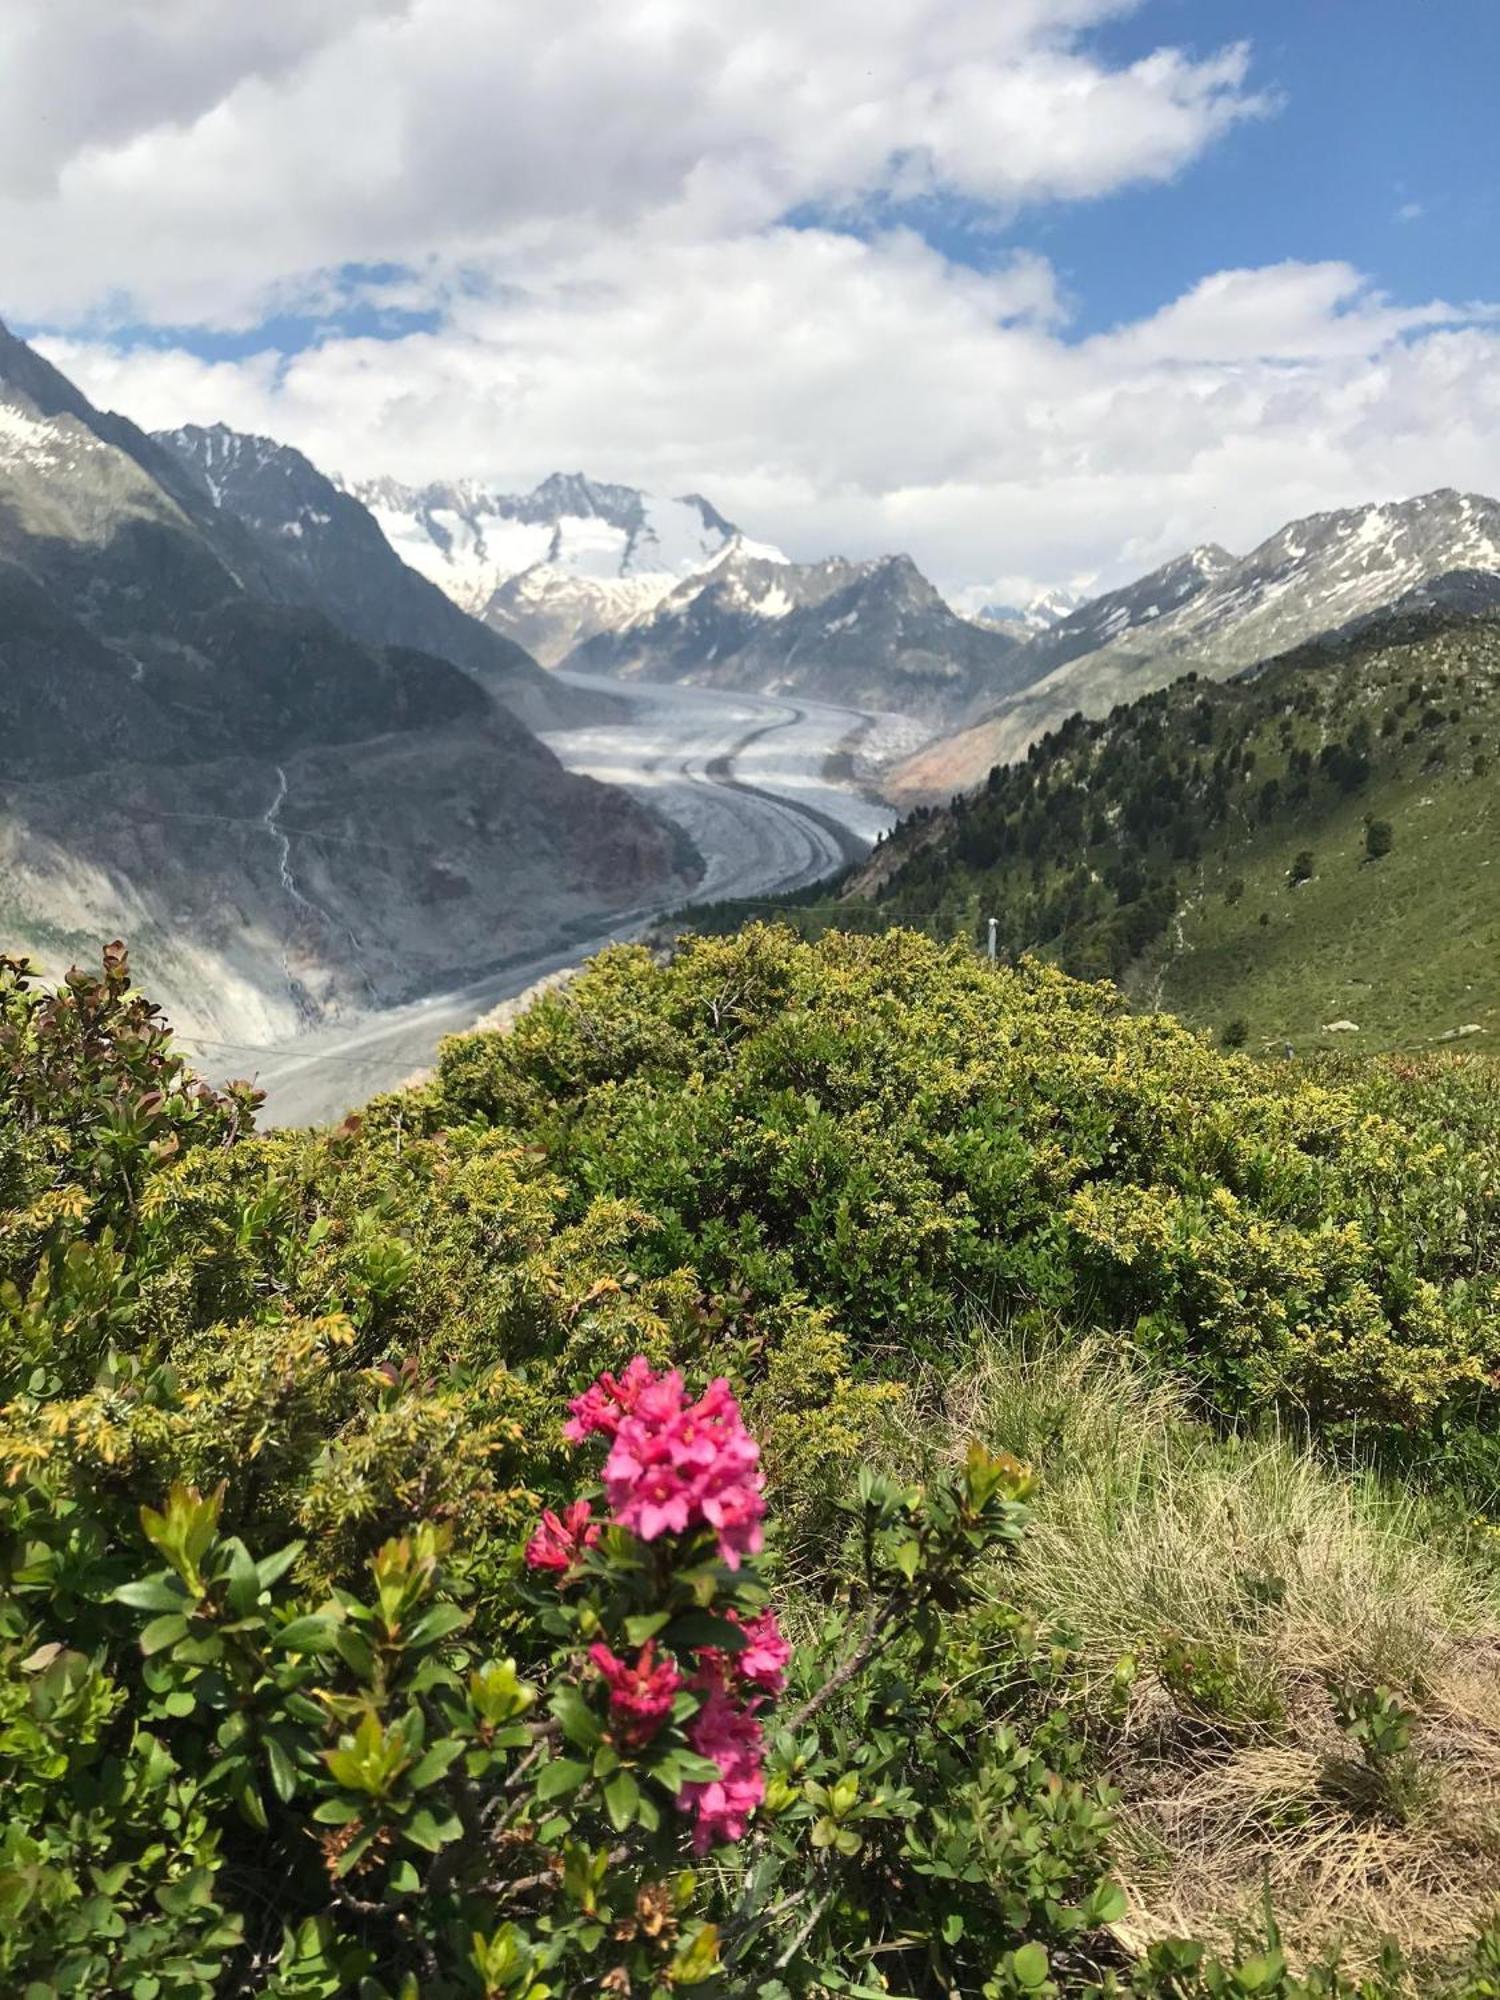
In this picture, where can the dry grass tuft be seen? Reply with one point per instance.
(1247, 1579)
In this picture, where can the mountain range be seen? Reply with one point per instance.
(609, 581)
(552, 567)
(1215, 614)
(277, 760)
(866, 635)
(279, 728)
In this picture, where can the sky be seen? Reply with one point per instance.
(1041, 292)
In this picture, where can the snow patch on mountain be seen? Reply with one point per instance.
(552, 567)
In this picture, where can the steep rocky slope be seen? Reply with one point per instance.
(331, 549)
(287, 819)
(1215, 615)
(871, 635)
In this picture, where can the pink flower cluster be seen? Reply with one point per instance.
(731, 1737)
(640, 1697)
(560, 1543)
(763, 1661)
(673, 1464)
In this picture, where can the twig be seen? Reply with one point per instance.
(804, 1934)
(879, 1618)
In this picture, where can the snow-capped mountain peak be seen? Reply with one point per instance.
(550, 567)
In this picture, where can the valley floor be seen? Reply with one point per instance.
(756, 783)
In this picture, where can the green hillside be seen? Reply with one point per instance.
(1264, 857)
(1090, 1549)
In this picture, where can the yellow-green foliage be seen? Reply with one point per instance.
(782, 1160)
(353, 1328)
(881, 1125)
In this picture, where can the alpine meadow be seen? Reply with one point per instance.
(749, 990)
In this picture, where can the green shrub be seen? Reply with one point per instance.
(777, 1161)
(882, 1125)
(1380, 838)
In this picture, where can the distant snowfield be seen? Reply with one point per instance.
(748, 780)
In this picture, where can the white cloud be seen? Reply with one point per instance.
(592, 197)
(832, 394)
(197, 160)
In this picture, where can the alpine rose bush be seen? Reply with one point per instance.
(679, 1472)
(560, 1540)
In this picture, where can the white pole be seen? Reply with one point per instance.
(994, 926)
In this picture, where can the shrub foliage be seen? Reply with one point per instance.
(333, 1661)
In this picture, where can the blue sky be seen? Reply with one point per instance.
(1383, 104)
(1383, 149)
(990, 280)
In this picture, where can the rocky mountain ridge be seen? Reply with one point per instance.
(286, 818)
(867, 635)
(1218, 615)
(552, 567)
(332, 551)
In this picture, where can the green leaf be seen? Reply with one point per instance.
(355, 1650)
(563, 1774)
(270, 1569)
(700, 1628)
(621, 1797)
(314, 1633)
(907, 1558)
(427, 1831)
(646, 1626)
(1264, 1970)
(579, 1723)
(1029, 1964)
(435, 1763)
(355, 1852)
(162, 1632)
(336, 1812)
(153, 1593)
(436, 1624)
(244, 1579)
(283, 1770)
(681, 1767)
(699, 1957)
(252, 1805)
(1107, 1904)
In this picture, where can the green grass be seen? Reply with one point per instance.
(1111, 849)
(1408, 947)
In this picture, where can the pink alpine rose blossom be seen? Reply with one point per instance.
(731, 1737)
(603, 1406)
(675, 1465)
(640, 1696)
(763, 1662)
(559, 1543)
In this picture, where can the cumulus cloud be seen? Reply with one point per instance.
(591, 206)
(200, 161)
(837, 394)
